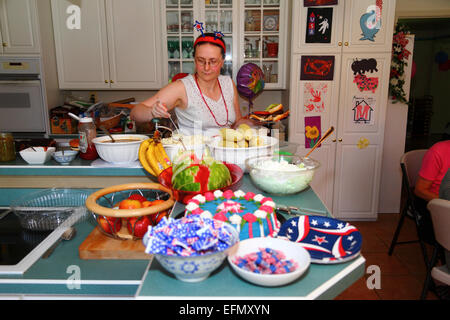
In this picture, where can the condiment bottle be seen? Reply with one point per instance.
(7, 148)
(87, 132)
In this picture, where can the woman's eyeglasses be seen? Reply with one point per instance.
(211, 63)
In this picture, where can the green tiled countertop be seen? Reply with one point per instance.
(144, 279)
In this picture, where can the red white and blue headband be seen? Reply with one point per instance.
(216, 39)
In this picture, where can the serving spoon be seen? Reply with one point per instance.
(67, 235)
(107, 132)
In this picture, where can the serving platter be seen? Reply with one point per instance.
(327, 240)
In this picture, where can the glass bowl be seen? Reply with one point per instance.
(46, 210)
(165, 178)
(282, 174)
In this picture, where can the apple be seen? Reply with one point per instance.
(156, 217)
(130, 204)
(110, 224)
(138, 197)
(139, 225)
(146, 204)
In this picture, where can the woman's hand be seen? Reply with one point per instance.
(159, 110)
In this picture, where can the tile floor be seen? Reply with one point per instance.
(402, 274)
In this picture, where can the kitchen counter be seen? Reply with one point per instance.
(144, 279)
(18, 177)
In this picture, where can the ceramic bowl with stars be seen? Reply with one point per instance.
(327, 240)
(195, 268)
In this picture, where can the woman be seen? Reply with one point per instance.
(204, 101)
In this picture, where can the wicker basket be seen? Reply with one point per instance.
(104, 202)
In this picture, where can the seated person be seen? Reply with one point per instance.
(444, 189)
(435, 164)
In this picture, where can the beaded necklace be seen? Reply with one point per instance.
(225, 103)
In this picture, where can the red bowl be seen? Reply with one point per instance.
(165, 178)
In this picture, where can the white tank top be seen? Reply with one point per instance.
(196, 117)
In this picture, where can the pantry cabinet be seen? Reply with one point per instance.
(345, 86)
(255, 31)
(19, 27)
(116, 45)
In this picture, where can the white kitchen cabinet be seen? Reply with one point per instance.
(247, 27)
(349, 177)
(117, 45)
(19, 27)
(346, 29)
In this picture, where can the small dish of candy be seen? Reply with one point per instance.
(269, 261)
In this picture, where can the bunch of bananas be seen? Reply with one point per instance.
(153, 157)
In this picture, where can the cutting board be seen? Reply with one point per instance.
(99, 246)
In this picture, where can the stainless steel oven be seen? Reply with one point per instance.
(22, 106)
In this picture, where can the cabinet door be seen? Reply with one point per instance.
(362, 111)
(309, 28)
(19, 26)
(306, 102)
(369, 25)
(263, 38)
(134, 44)
(178, 36)
(81, 54)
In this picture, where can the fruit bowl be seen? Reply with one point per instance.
(239, 155)
(189, 264)
(125, 211)
(165, 179)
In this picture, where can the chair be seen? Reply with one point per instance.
(410, 164)
(440, 216)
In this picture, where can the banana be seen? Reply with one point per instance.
(152, 160)
(162, 156)
(143, 158)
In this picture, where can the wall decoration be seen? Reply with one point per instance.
(365, 83)
(363, 143)
(398, 62)
(364, 65)
(316, 96)
(362, 109)
(370, 21)
(315, 3)
(318, 25)
(313, 131)
(317, 68)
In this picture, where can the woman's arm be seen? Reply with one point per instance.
(171, 96)
(422, 189)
